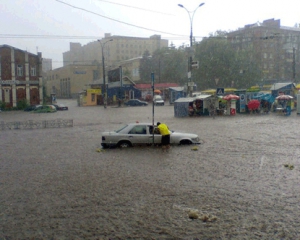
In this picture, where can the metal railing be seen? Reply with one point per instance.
(36, 124)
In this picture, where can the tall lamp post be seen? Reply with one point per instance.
(103, 66)
(191, 41)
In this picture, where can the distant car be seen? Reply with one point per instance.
(142, 134)
(158, 101)
(45, 109)
(135, 102)
(31, 108)
(60, 107)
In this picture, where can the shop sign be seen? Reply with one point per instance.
(11, 82)
(79, 72)
(96, 91)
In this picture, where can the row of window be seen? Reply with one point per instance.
(20, 71)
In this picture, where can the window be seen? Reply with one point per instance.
(95, 74)
(19, 70)
(93, 97)
(33, 71)
(138, 130)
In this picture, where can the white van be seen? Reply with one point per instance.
(158, 101)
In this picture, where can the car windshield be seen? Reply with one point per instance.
(120, 129)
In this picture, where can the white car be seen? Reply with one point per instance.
(142, 134)
(158, 101)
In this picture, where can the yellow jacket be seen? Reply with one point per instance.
(163, 129)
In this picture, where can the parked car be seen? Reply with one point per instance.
(158, 101)
(135, 102)
(142, 134)
(44, 109)
(60, 107)
(31, 108)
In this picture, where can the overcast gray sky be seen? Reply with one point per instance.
(57, 23)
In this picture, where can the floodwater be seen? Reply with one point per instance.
(242, 182)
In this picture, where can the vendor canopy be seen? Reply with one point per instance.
(264, 96)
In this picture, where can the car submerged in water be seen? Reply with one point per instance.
(135, 102)
(44, 109)
(158, 101)
(142, 134)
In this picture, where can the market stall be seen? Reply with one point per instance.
(231, 103)
(192, 106)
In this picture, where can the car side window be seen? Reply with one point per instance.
(138, 130)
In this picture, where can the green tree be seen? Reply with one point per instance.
(169, 65)
(220, 65)
(145, 68)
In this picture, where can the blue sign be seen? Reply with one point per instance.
(152, 79)
(220, 91)
(79, 72)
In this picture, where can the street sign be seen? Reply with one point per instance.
(195, 64)
(191, 84)
(220, 91)
(152, 79)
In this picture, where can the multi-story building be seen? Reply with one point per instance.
(47, 64)
(68, 81)
(115, 49)
(275, 49)
(20, 76)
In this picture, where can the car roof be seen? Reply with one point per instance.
(140, 124)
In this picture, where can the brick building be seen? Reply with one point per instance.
(275, 48)
(20, 76)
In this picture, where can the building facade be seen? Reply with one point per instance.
(20, 76)
(275, 48)
(68, 81)
(115, 49)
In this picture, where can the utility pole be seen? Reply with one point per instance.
(294, 65)
(104, 94)
(190, 83)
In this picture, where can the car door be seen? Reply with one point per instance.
(156, 135)
(138, 135)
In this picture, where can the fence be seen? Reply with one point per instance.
(36, 124)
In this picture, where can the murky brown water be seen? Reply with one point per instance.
(55, 185)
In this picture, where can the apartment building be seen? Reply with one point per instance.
(275, 48)
(115, 49)
(20, 76)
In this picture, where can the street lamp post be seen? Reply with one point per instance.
(191, 41)
(103, 66)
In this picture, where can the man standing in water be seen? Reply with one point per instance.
(165, 135)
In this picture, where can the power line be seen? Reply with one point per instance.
(136, 7)
(115, 20)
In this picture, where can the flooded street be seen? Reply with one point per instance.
(241, 183)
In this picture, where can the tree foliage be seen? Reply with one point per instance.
(168, 65)
(146, 67)
(220, 65)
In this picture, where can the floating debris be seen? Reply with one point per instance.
(194, 148)
(289, 166)
(204, 217)
(100, 150)
(193, 214)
